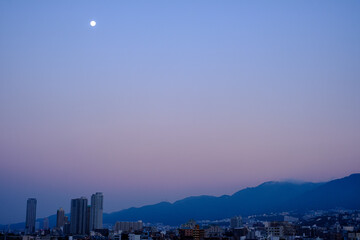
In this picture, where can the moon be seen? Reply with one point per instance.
(92, 23)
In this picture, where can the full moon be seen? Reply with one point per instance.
(92, 23)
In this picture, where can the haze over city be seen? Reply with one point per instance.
(162, 100)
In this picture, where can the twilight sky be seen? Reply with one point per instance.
(167, 99)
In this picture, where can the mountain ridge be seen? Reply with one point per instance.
(267, 197)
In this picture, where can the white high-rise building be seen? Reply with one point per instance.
(96, 211)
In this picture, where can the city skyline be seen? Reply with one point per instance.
(160, 101)
(84, 214)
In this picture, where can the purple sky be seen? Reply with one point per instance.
(169, 99)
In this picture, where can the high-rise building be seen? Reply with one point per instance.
(78, 216)
(30, 215)
(60, 218)
(96, 211)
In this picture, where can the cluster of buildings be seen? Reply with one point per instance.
(314, 225)
(84, 218)
(86, 222)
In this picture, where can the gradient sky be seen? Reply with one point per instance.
(167, 99)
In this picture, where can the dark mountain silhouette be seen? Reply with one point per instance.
(268, 197)
(344, 193)
(265, 198)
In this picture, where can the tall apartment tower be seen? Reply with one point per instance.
(30, 215)
(60, 218)
(78, 216)
(96, 211)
